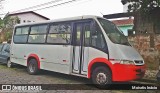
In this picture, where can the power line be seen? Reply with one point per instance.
(63, 3)
(36, 6)
(32, 7)
(56, 5)
(40, 5)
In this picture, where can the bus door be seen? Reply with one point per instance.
(81, 47)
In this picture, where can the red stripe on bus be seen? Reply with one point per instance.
(98, 60)
(36, 57)
(120, 72)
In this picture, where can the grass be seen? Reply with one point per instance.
(3, 66)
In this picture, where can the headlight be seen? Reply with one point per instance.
(127, 62)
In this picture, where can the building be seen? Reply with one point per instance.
(29, 16)
(23, 17)
(125, 25)
(123, 20)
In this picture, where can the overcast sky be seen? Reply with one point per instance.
(80, 7)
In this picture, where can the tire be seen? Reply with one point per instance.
(101, 77)
(32, 67)
(9, 63)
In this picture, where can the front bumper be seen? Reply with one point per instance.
(123, 72)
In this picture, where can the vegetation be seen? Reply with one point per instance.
(146, 13)
(6, 26)
(144, 5)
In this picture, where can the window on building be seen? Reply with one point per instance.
(28, 21)
(59, 34)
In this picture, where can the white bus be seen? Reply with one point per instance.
(85, 46)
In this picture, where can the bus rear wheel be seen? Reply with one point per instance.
(101, 77)
(32, 67)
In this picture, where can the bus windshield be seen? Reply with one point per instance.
(113, 32)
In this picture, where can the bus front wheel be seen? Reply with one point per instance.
(101, 77)
(32, 67)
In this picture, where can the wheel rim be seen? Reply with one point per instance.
(9, 63)
(32, 67)
(101, 78)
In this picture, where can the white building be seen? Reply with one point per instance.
(29, 16)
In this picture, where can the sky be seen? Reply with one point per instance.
(77, 8)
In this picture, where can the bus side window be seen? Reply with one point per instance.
(87, 31)
(97, 39)
(59, 33)
(38, 34)
(21, 34)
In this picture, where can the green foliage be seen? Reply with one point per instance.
(7, 26)
(143, 5)
(9, 22)
(147, 11)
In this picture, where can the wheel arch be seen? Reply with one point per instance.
(34, 56)
(99, 62)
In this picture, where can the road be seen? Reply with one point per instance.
(19, 75)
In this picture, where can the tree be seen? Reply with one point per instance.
(146, 14)
(144, 5)
(7, 26)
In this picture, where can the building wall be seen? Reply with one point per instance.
(29, 17)
(125, 29)
(150, 53)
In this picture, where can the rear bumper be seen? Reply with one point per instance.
(123, 72)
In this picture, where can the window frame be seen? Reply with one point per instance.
(92, 27)
(95, 23)
(38, 25)
(21, 27)
(58, 23)
(71, 23)
(47, 24)
(117, 30)
(21, 34)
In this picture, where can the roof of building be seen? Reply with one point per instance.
(118, 15)
(123, 22)
(12, 14)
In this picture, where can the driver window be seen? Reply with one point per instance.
(97, 39)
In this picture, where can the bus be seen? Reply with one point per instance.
(85, 46)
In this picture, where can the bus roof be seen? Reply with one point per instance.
(62, 19)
